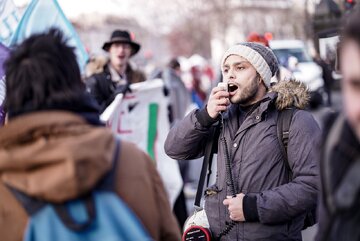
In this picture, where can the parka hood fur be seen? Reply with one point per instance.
(290, 93)
(95, 65)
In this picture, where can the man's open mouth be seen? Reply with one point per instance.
(232, 87)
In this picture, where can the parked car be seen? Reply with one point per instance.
(292, 55)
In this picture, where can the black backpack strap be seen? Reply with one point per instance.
(63, 212)
(210, 149)
(283, 129)
(214, 149)
(30, 204)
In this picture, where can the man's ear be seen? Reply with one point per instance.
(261, 82)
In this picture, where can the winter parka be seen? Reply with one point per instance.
(275, 205)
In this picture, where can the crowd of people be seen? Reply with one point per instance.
(55, 149)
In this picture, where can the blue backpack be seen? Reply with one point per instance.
(101, 215)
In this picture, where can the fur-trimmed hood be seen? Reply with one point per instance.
(291, 93)
(95, 65)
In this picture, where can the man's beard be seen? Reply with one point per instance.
(248, 94)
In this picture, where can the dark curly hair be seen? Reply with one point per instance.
(41, 72)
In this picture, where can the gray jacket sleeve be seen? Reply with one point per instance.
(290, 200)
(187, 138)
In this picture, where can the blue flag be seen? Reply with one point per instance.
(40, 16)
(4, 52)
(9, 19)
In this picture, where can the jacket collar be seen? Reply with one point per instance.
(268, 100)
(282, 95)
(266, 103)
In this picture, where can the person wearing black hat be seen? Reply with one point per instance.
(117, 73)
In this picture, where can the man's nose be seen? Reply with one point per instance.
(231, 74)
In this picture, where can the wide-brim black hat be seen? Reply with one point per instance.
(122, 36)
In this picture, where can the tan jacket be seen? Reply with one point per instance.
(57, 156)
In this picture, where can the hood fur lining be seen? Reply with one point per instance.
(291, 93)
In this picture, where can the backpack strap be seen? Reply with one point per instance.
(30, 204)
(283, 129)
(63, 212)
(107, 184)
(210, 149)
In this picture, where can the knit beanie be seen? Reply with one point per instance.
(261, 58)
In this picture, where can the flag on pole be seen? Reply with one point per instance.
(141, 117)
(9, 19)
(4, 52)
(40, 16)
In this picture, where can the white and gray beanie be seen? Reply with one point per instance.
(261, 57)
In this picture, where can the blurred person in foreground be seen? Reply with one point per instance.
(339, 206)
(117, 74)
(54, 147)
(267, 204)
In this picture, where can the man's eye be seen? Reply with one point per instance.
(225, 71)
